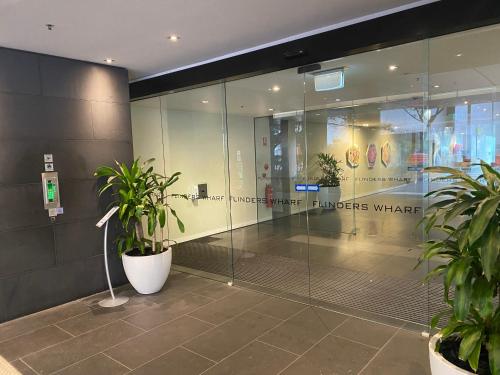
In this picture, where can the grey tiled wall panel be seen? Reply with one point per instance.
(21, 206)
(40, 289)
(21, 160)
(79, 112)
(39, 117)
(19, 72)
(81, 80)
(26, 249)
(78, 240)
(112, 121)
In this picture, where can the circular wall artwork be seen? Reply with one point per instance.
(386, 154)
(371, 155)
(352, 156)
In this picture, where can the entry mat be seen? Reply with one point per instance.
(401, 298)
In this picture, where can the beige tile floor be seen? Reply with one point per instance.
(199, 326)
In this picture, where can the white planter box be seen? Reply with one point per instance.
(439, 365)
(148, 273)
(329, 197)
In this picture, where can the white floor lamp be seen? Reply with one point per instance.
(113, 301)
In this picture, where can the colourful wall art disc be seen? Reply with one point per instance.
(352, 156)
(386, 154)
(371, 155)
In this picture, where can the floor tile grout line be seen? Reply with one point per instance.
(62, 329)
(27, 365)
(379, 351)
(131, 324)
(182, 345)
(277, 347)
(198, 354)
(201, 320)
(41, 327)
(115, 360)
(75, 337)
(355, 342)
(303, 354)
(254, 340)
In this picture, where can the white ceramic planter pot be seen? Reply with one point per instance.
(329, 197)
(439, 365)
(148, 273)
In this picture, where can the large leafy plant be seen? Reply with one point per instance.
(140, 193)
(468, 214)
(330, 168)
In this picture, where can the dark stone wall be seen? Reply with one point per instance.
(80, 113)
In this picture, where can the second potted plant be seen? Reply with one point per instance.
(141, 195)
(329, 182)
(469, 341)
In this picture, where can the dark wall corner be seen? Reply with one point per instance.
(80, 113)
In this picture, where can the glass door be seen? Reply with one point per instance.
(268, 172)
(367, 114)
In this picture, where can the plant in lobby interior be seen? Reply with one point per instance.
(141, 195)
(471, 336)
(329, 182)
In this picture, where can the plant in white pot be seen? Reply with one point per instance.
(140, 193)
(329, 182)
(468, 215)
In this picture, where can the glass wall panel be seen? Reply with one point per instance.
(249, 151)
(189, 128)
(364, 249)
(267, 159)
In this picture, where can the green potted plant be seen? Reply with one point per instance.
(141, 195)
(467, 215)
(329, 182)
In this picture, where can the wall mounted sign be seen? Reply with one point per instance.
(352, 156)
(371, 155)
(386, 154)
(306, 187)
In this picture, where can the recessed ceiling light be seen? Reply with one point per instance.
(109, 60)
(466, 102)
(271, 109)
(393, 67)
(318, 114)
(436, 86)
(204, 101)
(459, 54)
(276, 88)
(174, 38)
(366, 125)
(337, 100)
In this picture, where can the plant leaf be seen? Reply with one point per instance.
(482, 217)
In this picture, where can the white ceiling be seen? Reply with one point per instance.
(134, 32)
(473, 76)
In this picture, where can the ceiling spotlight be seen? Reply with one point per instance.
(466, 102)
(459, 55)
(109, 60)
(204, 101)
(271, 109)
(393, 67)
(436, 86)
(50, 26)
(276, 88)
(174, 37)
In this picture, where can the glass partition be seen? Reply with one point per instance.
(260, 213)
(267, 158)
